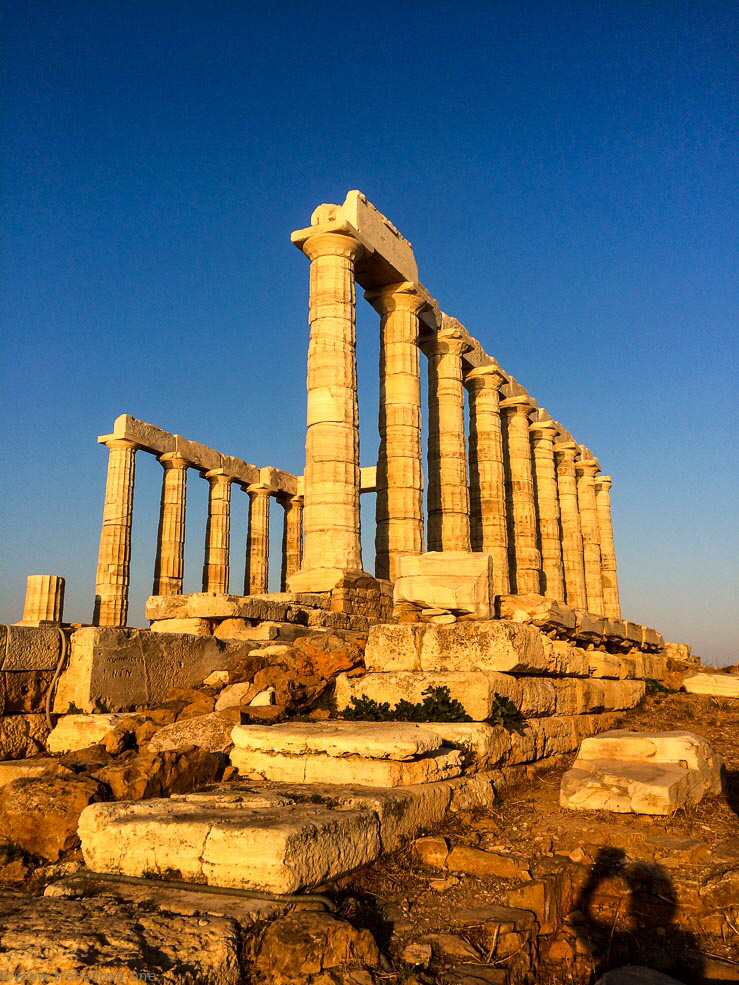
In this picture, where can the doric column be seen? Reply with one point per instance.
(611, 603)
(572, 553)
(169, 565)
(257, 541)
(332, 477)
(292, 537)
(448, 501)
(547, 507)
(114, 557)
(488, 528)
(217, 532)
(399, 504)
(585, 468)
(44, 601)
(523, 553)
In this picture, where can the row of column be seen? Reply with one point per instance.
(533, 500)
(113, 570)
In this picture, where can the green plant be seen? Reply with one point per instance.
(505, 713)
(437, 706)
(652, 686)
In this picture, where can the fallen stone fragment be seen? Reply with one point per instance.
(14, 769)
(159, 774)
(718, 685)
(432, 850)
(74, 732)
(22, 736)
(451, 947)
(475, 862)
(211, 732)
(40, 814)
(232, 695)
(87, 940)
(302, 944)
(416, 955)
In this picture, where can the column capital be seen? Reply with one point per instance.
(603, 481)
(403, 296)
(566, 448)
(173, 460)
(217, 475)
(337, 244)
(110, 441)
(485, 378)
(587, 466)
(258, 487)
(445, 342)
(547, 428)
(522, 404)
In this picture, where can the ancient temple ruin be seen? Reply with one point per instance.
(510, 482)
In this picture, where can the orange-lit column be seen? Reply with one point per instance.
(611, 602)
(488, 528)
(257, 541)
(169, 566)
(292, 537)
(114, 557)
(547, 507)
(572, 553)
(585, 468)
(523, 553)
(448, 500)
(217, 532)
(399, 504)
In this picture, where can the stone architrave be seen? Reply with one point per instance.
(572, 552)
(488, 526)
(217, 533)
(169, 566)
(292, 537)
(586, 468)
(611, 602)
(257, 541)
(399, 504)
(547, 502)
(114, 557)
(44, 602)
(448, 501)
(331, 520)
(523, 552)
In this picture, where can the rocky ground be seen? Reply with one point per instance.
(522, 892)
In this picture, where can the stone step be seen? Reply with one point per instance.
(678, 747)
(638, 788)
(440, 764)
(223, 840)
(718, 685)
(373, 740)
(476, 691)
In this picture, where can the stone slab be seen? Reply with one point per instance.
(188, 627)
(14, 769)
(221, 843)
(497, 645)
(476, 691)
(375, 740)
(121, 669)
(637, 788)
(455, 580)
(718, 685)
(29, 648)
(356, 770)
(73, 732)
(676, 747)
(544, 613)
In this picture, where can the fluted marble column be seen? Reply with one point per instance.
(399, 503)
(488, 527)
(585, 468)
(217, 532)
(523, 553)
(169, 565)
(44, 602)
(547, 505)
(332, 477)
(448, 501)
(572, 554)
(292, 537)
(611, 602)
(256, 578)
(114, 557)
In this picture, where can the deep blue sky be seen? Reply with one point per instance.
(565, 171)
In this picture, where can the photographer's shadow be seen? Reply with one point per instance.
(644, 931)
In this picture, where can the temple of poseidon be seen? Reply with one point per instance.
(229, 742)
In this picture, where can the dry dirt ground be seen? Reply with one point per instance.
(661, 891)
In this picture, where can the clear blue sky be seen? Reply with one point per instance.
(565, 171)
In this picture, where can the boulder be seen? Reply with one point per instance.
(40, 814)
(73, 732)
(159, 774)
(210, 732)
(452, 580)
